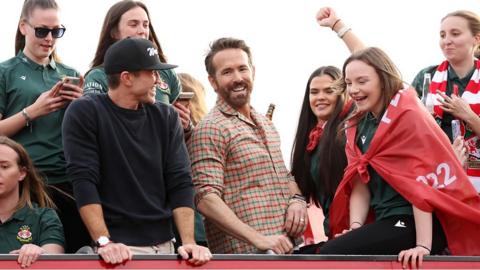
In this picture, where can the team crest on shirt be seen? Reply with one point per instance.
(24, 234)
(163, 85)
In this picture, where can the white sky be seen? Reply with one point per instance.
(286, 41)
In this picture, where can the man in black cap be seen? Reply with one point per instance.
(128, 162)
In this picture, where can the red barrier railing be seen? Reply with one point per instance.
(243, 262)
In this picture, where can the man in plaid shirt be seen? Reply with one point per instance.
(251, 203)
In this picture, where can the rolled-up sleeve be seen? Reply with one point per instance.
(207, 150)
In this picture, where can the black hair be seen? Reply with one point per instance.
(332, 157)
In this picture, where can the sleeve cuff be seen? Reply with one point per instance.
(85, 193)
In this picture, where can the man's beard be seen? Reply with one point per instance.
(237, 99)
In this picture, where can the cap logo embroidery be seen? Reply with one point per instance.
(152, 51)
(24, 234)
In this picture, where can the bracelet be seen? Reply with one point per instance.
(422, 246)
(27, 117)
(343, 31)
(294, 201)
(356, 222)
(299, 197)
(335, 23)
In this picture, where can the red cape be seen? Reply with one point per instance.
(414, 156)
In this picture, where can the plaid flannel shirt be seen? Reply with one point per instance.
(241, 162)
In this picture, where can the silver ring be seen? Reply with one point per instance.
(302, 220)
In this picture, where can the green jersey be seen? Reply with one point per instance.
(384, 200)
(22, 81)
(27, 225)
(325, 201)
(452, 79)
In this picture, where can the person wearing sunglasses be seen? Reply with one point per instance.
(33, 98)
(42, 32)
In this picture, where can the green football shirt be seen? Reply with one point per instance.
(384, 200)
(36, 225)
(22, 81)
(452, 78)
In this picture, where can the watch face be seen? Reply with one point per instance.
(102, 241)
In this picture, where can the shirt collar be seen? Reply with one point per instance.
(369, 117)
(452, 75)
(33, 64)
(225, 108)
(19, 215)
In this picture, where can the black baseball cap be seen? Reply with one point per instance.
(133, 54)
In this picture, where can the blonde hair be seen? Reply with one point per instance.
(32, 188)
(473, 21)
(198, 107)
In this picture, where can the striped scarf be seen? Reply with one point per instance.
(472, 96)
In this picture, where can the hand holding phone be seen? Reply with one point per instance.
(71, 87)
(185, 97)
(55, 91)
(70, 80)
(456, 131)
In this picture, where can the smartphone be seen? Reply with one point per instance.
(186, 95)
(184, 98)
(456, 129)
(70, 80)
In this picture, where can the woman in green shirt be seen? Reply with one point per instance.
(455, 81)
(131, 19)
(318, 154)
(372, 81)
(27, 227)
(33, 99)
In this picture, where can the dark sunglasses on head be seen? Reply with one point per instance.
(42, 32)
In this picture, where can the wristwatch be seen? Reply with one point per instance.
(189, 128)
(102, 241)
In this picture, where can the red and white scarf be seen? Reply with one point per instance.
(472, 96)
(317, 132)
